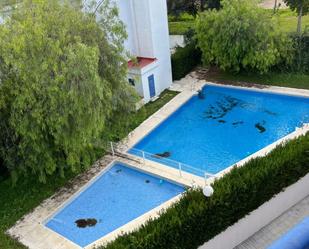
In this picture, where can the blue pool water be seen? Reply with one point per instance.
(120, 195)
(226, 126)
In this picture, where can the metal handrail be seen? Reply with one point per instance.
(182, 167)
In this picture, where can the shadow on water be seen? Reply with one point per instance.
(222, 107)
(165, 154)
(261, 126)
(83, 223)
(225, 105)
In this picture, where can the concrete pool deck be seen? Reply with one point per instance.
(30, 230)
(278, 227)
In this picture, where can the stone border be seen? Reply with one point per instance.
(30, 228)
(182, 98)
(32, 232)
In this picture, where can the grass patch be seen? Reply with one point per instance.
(294, 80)
(152, 107)
(20, 200)
(286, 19)
(180, 27)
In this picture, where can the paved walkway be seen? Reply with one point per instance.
(273, 231)
(269, 4)
(30, 230)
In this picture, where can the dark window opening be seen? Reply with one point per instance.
(132, 82)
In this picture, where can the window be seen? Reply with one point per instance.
(132, 82)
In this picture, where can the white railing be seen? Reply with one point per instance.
(181, 167)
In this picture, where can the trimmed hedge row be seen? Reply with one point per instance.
(301, 57)
(299, 61)
(184, 60)
(196, 219)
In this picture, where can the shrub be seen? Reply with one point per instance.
(301, 55)
(241, 36)
(62, 76)
(196, 219)
(299, 61)
(184, 60)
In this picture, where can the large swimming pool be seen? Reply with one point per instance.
(223, 125)
(117, 197)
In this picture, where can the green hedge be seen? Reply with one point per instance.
(301, 57)
(184, 60)
(196, 219)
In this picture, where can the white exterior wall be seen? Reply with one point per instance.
(138, 82)
(126, 13)
(144, 31)
(155, 72)
(148, 36)
(160, 32)
(257, 219)
(140, 77)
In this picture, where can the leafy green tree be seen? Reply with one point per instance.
(62, 77)
(240, 36)
(301, 7)
(192, 7)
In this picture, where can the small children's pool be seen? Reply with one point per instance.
(117, 197)
(223, 126)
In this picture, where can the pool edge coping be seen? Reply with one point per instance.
(69, 244)
(186, 95)
(15, 230)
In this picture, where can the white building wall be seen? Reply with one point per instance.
(148, 36)
(144, 30)
(155, 72)
(160, 37)
(257, 219)
(126, 14)
(135, 75)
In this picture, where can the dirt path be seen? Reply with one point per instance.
(269, 4)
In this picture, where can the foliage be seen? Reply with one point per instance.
(29, 193)
(122, 125)
(183, 17)
(300, 61)
(285, 19)
(301, 7)
(180, 27)
(5, 3)
(293, 80)
(196, 219)
(192, 7)
(62, 75)
(176, 7)
(184, 60)
(240, 37)
(302, 52)
(296, 5)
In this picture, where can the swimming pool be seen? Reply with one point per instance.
(223, 125)
(117, 197)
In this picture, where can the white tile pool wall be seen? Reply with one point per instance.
(186, 93)
(30, 229)
(32, 232)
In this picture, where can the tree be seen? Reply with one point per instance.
(62, 77)
(240, 36)
(192, 7)
(275, 6)
(301, 7)
(177, 7)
